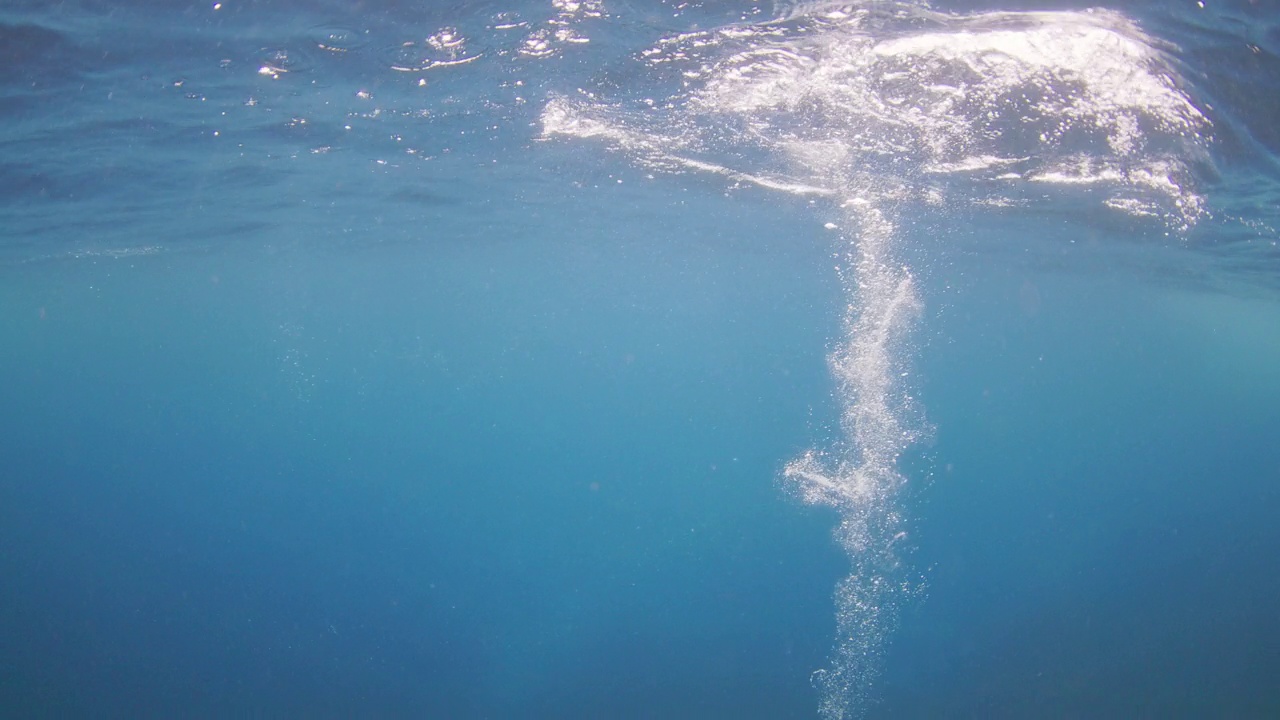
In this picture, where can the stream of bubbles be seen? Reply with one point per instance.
(878, 110)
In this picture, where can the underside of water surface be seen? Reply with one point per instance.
(483, 360)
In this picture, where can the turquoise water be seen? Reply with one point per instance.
(519, 361)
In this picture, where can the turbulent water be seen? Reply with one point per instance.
(892, 109)
(386, 249)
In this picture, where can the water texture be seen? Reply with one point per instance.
(480, 360)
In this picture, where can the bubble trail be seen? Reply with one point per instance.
(882, 109)
(859, 477)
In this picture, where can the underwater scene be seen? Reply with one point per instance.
(623, 359)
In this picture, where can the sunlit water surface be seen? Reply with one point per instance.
(518, 361)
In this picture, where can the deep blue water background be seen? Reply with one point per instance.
(497, 433)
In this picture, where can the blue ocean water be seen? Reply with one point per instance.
(639, 359)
